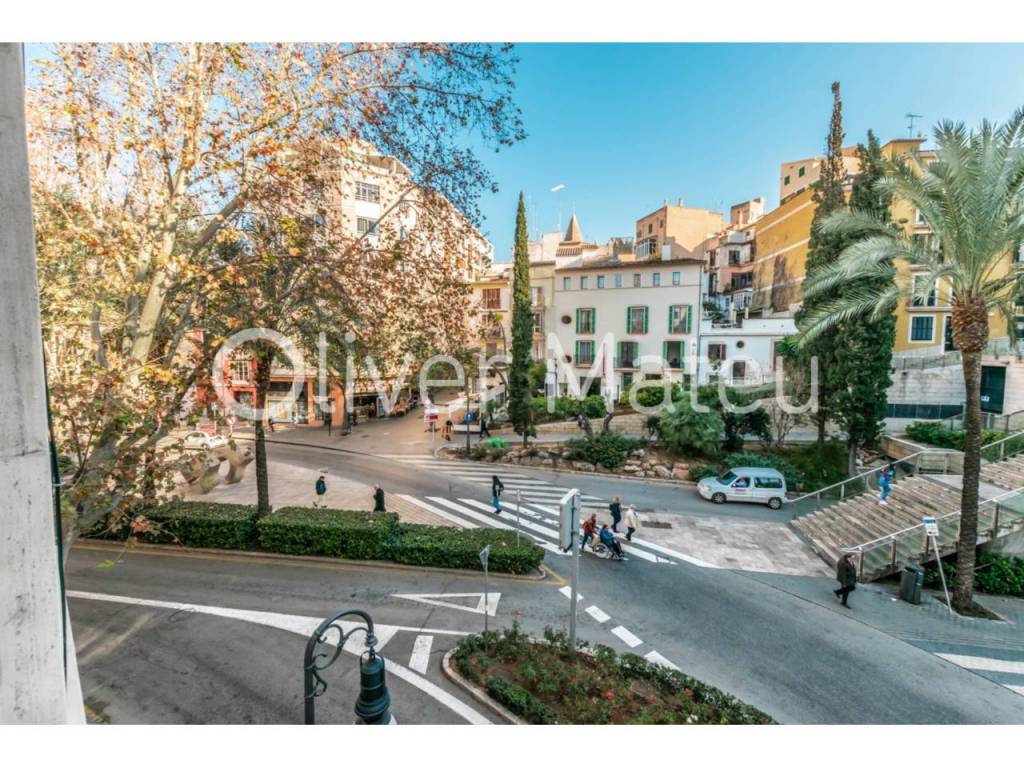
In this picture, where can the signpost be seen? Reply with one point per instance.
(931, 528)
(469, 420)
(519, 504)
(568, 532)
(485, 555)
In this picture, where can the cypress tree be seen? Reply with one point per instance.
(824, 249)
(519, 395)
(860, 372)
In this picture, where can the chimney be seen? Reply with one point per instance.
(680, 203)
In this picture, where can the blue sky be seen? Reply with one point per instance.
(627, 126)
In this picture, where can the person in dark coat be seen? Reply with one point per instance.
(616, 509)
(496, 488)
(378, 499)
(321, 491)
(846, 575)
(484, 431)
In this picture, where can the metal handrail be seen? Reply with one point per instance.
(890, 536)
(870, 472)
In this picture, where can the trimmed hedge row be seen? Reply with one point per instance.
(349, 534)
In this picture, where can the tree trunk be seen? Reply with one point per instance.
(851, 465)
(821, 432)
(963, 592)
(263, 361)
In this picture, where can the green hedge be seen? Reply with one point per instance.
(202, 524)
(994, 574)
(331, 532)
(520, 701)
(606, 449)
(459, 548)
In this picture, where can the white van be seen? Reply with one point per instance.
(757, 484)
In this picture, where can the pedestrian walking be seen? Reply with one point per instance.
(616, 509)
(484, 431)
(270, 423)
(496, 488)
(448, 426)
(632, 523)
(321, 491)
(589, 530)
(885, 478)
(378, 499)
(846, 575)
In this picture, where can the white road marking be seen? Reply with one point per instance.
(626, 636)
(492, 521)
(305, 626)
(656, 658)
(421, 653)
(438, 599)
(983, 663)
(567, 591)
(674, 553)
(437, 511)
(597, 614)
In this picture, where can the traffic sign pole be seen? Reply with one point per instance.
(519, 503)
(485, 555)
(931, 529)
(575, 570)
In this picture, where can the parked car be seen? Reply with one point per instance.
(756, 484)
(197, 441)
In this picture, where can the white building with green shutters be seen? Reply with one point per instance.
(619, 319)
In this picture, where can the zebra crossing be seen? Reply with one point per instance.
(534, 512)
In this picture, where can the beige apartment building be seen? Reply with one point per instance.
(797, 175)
(685, 229)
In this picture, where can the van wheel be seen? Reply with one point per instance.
(718, 498)
(775, 503)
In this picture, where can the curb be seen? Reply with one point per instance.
(476, 691)
(560, 470)
(538, 575)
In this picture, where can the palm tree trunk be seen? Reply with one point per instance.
(963, 592)
(851, 458)
(263, 361)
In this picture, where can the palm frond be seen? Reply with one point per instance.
(856, 303)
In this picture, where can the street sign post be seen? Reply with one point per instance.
(519, 504)
(469, 419)
(568, 532)
(931, 529)
(485, 555)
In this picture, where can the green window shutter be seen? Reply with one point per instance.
(593, 320)
(577, 320)
(671, 309)
(577, 358)
(688, 328)
(629, 316)
(664, 351)
(646, 318)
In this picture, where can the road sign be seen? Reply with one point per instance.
(485, 554)
(469, 417)
(931, 527)
(566, 521)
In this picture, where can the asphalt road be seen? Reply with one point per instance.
(773, 641)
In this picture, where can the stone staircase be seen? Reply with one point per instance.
(861, 518)
(1008, 474)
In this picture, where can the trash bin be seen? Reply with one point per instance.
(911, 581)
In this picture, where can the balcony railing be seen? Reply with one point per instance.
(625, 363)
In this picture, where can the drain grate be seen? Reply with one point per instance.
(652, 524)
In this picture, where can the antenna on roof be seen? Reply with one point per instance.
(910, 123)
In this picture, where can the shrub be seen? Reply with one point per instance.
(202, 524)
(520, 701)
(607, 449)
(699, 471)
(935, 433)
(653, 395)
(795, 479)
(344, 533)
(994, 574)
(594, 407)
(688, 432)
(460, 548)
(820, 467)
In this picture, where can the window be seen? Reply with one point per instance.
(584, 279)
(618, 279)
(367, 192)
(918, 218)
(741, 281)
(538, 321)
(716, 352)
(600, 281)
(679, 318)
(492, 298)
(627, 382)
(677, 278)
(566, 283)
(768, 482)
(629, 351)
(240, 371)
(801, 171)
(536, 295)
(364, 226)
(922, 328)
(785, 181)
(673, 353)
(636, 319)
(656, 279)
(636, 279)
(586, 320)
(739, 370)
(650, 228)
(947, 335)
(920, 298)
(734, 257)
(584, 353)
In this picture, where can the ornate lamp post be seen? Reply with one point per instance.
(373, 707)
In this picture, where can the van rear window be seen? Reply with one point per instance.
(767, 482)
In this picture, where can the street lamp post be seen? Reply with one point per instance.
(373, 707)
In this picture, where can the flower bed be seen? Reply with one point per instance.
(543, 683)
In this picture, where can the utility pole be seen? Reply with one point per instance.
(910, 123)
(37, 687)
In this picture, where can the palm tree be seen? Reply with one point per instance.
(971, 197)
